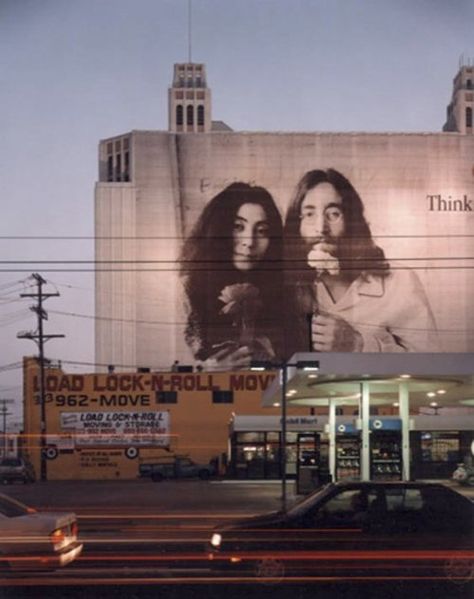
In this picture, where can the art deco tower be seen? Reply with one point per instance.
(189, 100)
(460, 109)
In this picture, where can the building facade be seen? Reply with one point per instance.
(105, 425)
(417, 191)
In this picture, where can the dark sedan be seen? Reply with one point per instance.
(355, 530)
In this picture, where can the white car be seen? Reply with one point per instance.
(32, 540)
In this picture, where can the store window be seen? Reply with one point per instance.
(440, 446)
(256, 454)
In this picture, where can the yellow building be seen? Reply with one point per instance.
(105, 425)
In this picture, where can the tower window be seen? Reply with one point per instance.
(469, 84)
(468, 116)
(179, 114)
(126, 171)
(190, 115)
(110, 168)
(118, 167)
(200, 115)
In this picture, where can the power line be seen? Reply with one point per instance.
(183, 238)
(224, 261)
(215, 323)
(203, 270)
(12, 366)
(103, 365)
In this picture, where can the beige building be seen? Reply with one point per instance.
(417, 189)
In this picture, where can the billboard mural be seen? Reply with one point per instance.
(298, 242)
(259, 288)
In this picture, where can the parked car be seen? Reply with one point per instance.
(356, 530)
(16, 469)
(32, 540)
(176, 467)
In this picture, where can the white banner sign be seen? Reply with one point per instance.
(118, 428)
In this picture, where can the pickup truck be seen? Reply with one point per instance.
(16, 469)
(177, 467)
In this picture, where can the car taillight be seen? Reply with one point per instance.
(74, 529)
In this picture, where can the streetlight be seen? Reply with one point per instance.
(305, 365)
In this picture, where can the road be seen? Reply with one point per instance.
(139, 536)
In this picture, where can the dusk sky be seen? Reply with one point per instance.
(77, 71)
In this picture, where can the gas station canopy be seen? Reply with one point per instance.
(432, 380)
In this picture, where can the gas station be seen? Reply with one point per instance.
(425, 392)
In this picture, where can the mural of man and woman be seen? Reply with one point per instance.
(260, 289)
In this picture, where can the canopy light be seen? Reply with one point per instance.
(259, 366)
(307, 365)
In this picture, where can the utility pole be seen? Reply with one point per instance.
(40, 339)
(4, 413)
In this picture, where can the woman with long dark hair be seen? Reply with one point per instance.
(231, 271)
(339, 283)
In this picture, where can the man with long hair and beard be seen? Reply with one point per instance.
(338, 282)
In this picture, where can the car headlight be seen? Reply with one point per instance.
(216, 540)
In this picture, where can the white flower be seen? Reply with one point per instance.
(322, 261)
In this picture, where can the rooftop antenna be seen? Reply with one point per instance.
(189, 32)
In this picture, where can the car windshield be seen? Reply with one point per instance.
(11, 508)
(301, 507)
